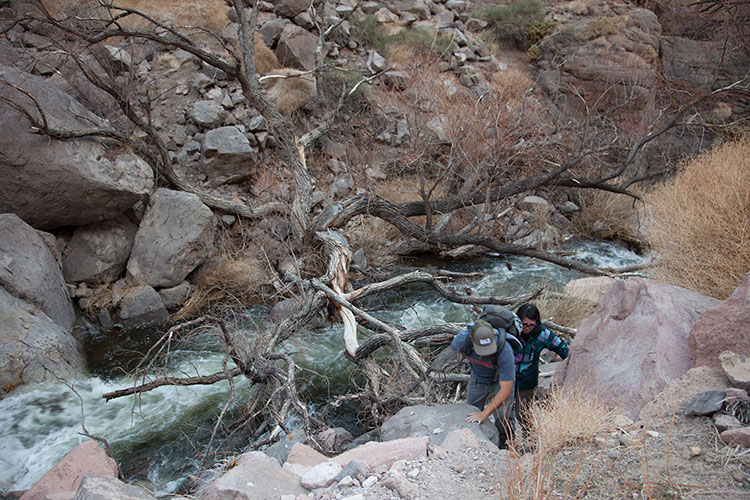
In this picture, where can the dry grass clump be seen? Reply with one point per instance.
(291, 91)
(209, 14)
(227, 280)
(511, 83)
(573, 417)
(607, 215)
(564, 310)
(699, 221)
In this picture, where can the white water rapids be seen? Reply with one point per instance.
(42, 423)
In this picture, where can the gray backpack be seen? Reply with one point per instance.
(504, 320)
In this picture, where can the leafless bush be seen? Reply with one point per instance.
(698, 221)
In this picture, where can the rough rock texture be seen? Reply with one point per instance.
(635, 343)
(373, 454)
(109, 488)
(141, 306)
(88, 458)
(33, 348)
(435, 422)
(51, 183)
(739, 436)
(679, 392)
(227, 155)
(255, 477)
(175, 236)
(29, 270)
(296, 48)
(303, 454)
(737, 369)
(590, 289)
(98, 252)
(175, 296)
(608, 45)
(695, 61)
(722, 328)
(705, 403)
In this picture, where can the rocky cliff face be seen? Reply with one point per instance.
(102, 200)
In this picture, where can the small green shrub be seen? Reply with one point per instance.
(336, 79)
(533, 53)
(538, 30)
(422, 39)
(367, 31)
(511, 22)
(611, 25)
(370, 33)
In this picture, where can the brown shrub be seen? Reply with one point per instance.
(265, 59)
(564, 310)
(698, 221)
(603, 212)
(291, 90)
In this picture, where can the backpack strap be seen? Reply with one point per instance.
(478, 361)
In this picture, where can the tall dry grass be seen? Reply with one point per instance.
(558, 422)
(604, 212)
(564, 310)
(699, 221)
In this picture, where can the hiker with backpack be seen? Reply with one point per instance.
(488, 347)
(534, 338)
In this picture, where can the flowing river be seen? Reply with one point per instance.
(159, 437)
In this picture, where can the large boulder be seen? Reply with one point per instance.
(695, 62)
(435, 422)
(635, 343)
(296, 48)
(722, 328)
(613, 52)
(108, 488)
(86, 458)
(29, 270)
(373, 454)
(256, 476)
(227, 155)
(98, 252)
(51, 183)
(175, 237)
(141, 306)
(33, 348)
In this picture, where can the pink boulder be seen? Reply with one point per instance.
(635, 343)
(373, 454)
(88, 458)
(722, 328)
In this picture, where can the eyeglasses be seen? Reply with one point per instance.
(528, 323)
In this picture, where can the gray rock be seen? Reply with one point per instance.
(255, 477)
(272, 30)
(458, 5)
(174, 297)
(98, 252)
(737, 368)
(280, 449)
(705, 403)
(109, 488)
(354, 470)
(119, 58)
(376, 62)
(43, 179)
(296, 48)
(740, 436)
(386, 16)
(175, 236)
(206, 114)
(418, 7)
(335, 439)
(422, 420)
(321, 475)
(33, 348)
(371, 7)
(30, 271)
(695, 61)
(227, 155)
(342, 185)
(141, 306)
(290, 8)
